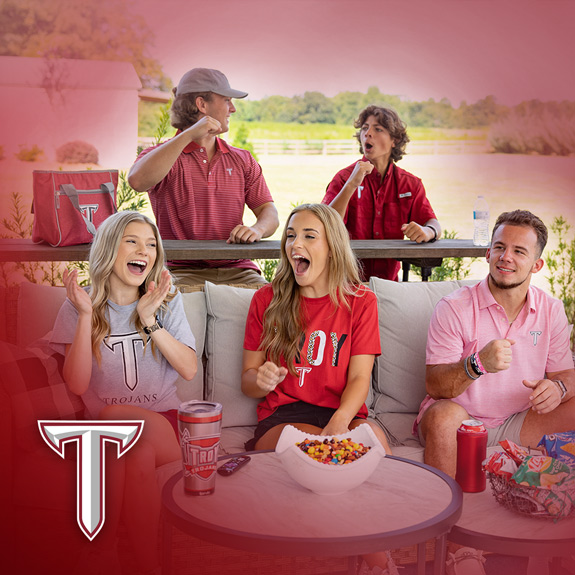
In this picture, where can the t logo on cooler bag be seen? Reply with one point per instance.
(90, 437)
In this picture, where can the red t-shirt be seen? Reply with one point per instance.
(377, 210)
(333, 335)
(204, 200)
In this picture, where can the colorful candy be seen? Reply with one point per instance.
(333, 451)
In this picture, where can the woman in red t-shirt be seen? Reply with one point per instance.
(311, 338)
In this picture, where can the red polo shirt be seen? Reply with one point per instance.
(204, 200)
(377, 210)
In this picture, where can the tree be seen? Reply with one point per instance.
(80, 29)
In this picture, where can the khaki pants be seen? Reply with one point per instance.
(188, 279)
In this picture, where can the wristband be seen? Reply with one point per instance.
(467, 370)
(434, 233)
(475, 364)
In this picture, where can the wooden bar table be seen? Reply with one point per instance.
(426, 256)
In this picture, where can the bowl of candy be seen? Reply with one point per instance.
(329, 464)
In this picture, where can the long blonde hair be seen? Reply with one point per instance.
(284, 325)
(103, 253)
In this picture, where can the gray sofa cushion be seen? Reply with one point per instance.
(227, 313)
(195, 308)
(404, 309)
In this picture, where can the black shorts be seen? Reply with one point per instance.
(297, 412)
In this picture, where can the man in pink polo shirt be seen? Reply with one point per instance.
(199, 185)
(499, 352)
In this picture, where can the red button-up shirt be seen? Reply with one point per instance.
(377, 210)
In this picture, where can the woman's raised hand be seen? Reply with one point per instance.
(153, 298)
(269, 375)
(77, 296)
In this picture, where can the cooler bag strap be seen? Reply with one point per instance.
(109, 187)
(72, 194)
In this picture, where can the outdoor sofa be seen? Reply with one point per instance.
(32, 389)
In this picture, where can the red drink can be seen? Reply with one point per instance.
(471, 452)
(200, 424)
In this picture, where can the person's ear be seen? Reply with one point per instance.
(538, 265)
(201, 104)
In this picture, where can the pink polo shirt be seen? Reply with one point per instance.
(469, 318)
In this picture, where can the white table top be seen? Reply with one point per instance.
(490, 526)
(402, 503)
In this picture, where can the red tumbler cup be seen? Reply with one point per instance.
(200, 423)
(471, 452)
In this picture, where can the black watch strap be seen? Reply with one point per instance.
(152, 328)
(562, 387)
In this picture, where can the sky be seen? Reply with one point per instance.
(458, 49)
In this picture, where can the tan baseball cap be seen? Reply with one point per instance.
(207, 80)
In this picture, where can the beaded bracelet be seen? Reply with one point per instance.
(467, 370)
(474, 365)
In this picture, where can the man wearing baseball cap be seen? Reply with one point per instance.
(198, 184)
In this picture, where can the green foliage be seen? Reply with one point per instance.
(343, 109)
(268, 268)
(241, 140)
(91, 30)
(127, 198)
(545, 128)
(285, 131)
(561, 264)
(29, 154)
(19, 225)
(163, 126)
(77, 152)
(451, 268)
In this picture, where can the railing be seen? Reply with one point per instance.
(269, 147)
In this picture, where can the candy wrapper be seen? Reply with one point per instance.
(561, 446)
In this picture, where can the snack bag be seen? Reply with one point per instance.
(500, 463)
(561, 446)
(517, 453)
(541, 471)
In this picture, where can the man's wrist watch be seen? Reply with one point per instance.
(152, 328)
(562, 387)
(434, 233)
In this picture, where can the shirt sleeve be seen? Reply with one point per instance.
(421, 210)
(365, 336)
(560, 356)
(176, 322)
(444, 337)
(257, 191)
(64, 327)
(255, 320)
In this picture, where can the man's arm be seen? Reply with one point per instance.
(153, 167)
(341, 201)
(266, 224)
(428, 232)
(547, 393)
(446, 381)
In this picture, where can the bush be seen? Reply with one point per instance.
(561, 264)
(29, 154)
(77, 152)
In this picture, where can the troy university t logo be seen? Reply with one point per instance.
(91, 437)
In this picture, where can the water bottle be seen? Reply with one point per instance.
(481, 222)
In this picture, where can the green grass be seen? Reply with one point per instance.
(285, 131)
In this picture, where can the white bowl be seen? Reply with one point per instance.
(322, 478)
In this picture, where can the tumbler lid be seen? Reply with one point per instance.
(200, 408)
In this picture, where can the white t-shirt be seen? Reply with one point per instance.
(128, 374)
